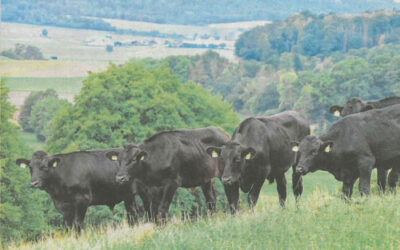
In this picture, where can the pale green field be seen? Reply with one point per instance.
(71, 85)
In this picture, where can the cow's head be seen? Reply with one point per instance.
(313, 154)
(336, 110)
(41, 167)
(129, 160)
(355, 105)
(233, 158)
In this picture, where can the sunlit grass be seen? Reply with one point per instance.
(320, 221)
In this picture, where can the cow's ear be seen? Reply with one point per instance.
(23, 163)
(295, 146)
(248, 153)
(327, 146)
(142, 156)
(214, 152)
(54, 162)
(368, 107)
(336, 110)
(112, 155)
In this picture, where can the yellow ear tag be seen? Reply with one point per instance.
(248, 156)
(336, 113)
(328, 149)
(22, 165)
(214, 154)
(55, 164)
(142, 158)
(114, 157)
(295, 148)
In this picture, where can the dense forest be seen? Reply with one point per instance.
(71, 12)
(318, 35)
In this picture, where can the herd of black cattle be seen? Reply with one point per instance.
(260, 148)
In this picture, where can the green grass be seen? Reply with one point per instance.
(31, 141)
(321, 221)
(70, 85)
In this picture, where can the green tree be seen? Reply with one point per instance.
(130, 103)
(24, 213)
(42, 113)
(29, 102)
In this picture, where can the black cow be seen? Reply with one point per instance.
(357, 105)
(353, 146)
(78, 180)
(261, 149)
(172, 159)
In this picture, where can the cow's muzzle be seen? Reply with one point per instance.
(301, 170)
(121, 179)
(35, 184)
(227, 180)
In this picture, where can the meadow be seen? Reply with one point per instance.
(70, 85)
(322, 220)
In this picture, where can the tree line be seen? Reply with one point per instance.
(71, 13)
(311, 35)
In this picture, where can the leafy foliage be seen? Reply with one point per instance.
(70, 13)
(311, 35)
(23, 52)
(42, 113)
(30, 101)
(130, 103)
(24, 213)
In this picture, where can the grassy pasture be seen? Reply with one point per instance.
(71, 85)
(321, 221)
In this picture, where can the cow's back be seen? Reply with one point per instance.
(296, 126)
(389, 101)
(375, 131)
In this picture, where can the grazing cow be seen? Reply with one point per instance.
(353, 146)
(261, 149)
(78, 180)
(172, 159)
(357, 105)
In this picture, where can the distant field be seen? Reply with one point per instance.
(71, 44)
(43, 68)
(70, 85)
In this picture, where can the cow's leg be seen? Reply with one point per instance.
(254, 192)
(347, 189)
(297, 183)
(68, 217)
(393, 178)
(79, 220)
(382, 176)
(232, 194)
(281, 187)
(68, 212)
(210, 195)
(146, 199)
(168, 193)
(365, 165)
(131, 211)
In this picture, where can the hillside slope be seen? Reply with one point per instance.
(177, 12)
